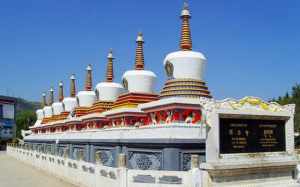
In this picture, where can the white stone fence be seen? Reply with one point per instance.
(87, 174)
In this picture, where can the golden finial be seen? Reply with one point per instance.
(139, 53)
(73, 87)
(109, 68)
(44, 100)
(61, 91)
(186, 40)
(88, 80)
(51, 96)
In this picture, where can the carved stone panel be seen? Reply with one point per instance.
(61, 151)
(186, 160)
(145, 160)
(78, 154)
(105, 157)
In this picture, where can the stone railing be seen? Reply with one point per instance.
(88, 174)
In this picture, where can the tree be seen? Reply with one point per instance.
(296, 91)
(24, 119)
(293, 98)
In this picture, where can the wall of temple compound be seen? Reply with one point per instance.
(88, 174)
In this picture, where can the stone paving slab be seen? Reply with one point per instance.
(14, 173)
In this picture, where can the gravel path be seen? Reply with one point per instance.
(14, 173)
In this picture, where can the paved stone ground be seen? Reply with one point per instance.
(14, 173)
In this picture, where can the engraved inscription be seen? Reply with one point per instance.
(251, 135)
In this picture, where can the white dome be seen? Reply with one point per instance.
(48, 112)
(40, 114)
(70, 103)
(58, 108)
(139, 81)
(86, 98)
(187, 64)
(109, 91)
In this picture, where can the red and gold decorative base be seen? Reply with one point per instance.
(46, 120)
(100, 106)
(64, 115)
(131, 100)
(80, 111)
(185, 88)
(174, 112)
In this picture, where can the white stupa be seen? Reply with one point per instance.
(185, 68)
(40, 112)
(108, 91)
(58, 107)
(139, 80)
(71, 102)
(87, 97)
(48, 110)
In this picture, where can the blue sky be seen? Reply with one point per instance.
(253, 47)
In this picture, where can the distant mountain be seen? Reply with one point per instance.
(23, 104)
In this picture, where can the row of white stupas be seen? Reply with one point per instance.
(182, 65)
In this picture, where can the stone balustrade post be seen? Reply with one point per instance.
(122, 169)
(122, 161)
(195, 161)
(195, 171)
(98, 158)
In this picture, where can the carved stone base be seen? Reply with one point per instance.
(252, 174)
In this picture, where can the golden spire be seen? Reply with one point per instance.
(186, 40)
(109, 68)
(44, 101)
(51, 97)
(88, 80)
(61, 92)
(139, 53)
(73, 87)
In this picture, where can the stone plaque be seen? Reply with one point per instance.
(112, 175)
(251, 135)
(170, 180)
(143, 179)
(103, 173)
(91, 170)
